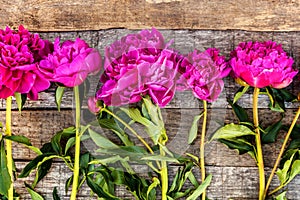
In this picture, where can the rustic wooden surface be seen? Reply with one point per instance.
(235, 176)
(69, 15)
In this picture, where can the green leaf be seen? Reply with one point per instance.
(200, 188)
(71, 142)
(58, 96)
(33, 164)
(230, 131)
(283, 174)
(295, 144)
(154, 184)
(135, 153)
(20, 99)
(68, 183)
(20, 139)
(34, 195)
(285, 95)
(25, 141)
(194, 128)
(242, 90)
(153, 111)
(276, 101)
(5, 179)
(55, 142)
(112, 125)
(271, 132)
(99, 191)
(295, 134)
(240, 112)
(180, 178)
(193, 180)
(84, 160)
(155, 131)
(101, 141)
(43, 169)
(241, 145)
(281, 196)
(159, 158)
(135, 115)
(295, 169)
(55, 194)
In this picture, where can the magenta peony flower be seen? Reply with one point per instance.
(71, 62)
(262, 64)
(204, 72)
(145, 67)
(20, 52)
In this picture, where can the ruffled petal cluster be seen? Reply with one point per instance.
(71, 62)
(20, 53)
(204, 73)
(138, 65)
(262, 64)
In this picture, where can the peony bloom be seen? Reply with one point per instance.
(262, 64)
(92, 105)
(204, 72)
(71, 62)
(20, 52)
(139, 65)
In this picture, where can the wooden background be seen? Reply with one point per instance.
(192, 24)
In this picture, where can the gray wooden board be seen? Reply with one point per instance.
(238, 183)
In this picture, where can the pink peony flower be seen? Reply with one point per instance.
(262, 64)
(71, 62)
(145, 67)
(204, 72)
(20, 52)
(92, 105)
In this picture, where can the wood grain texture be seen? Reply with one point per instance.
(235, 176)
(236, 183)
(69, 15)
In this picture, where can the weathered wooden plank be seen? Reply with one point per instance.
(40, 126)
(227, 183)
(56, 15)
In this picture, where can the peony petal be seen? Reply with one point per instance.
(27, 83)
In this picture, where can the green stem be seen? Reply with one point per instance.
(202, 142)
(77, 144)
(164, 175)
(260, 161)
(9, 147)
(282, 150)
(276, 189)
(129, 128)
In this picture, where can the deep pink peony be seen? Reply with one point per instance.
(20, 52)
(204, 72)
(71, 62)
(145, 67)
(262, 64)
